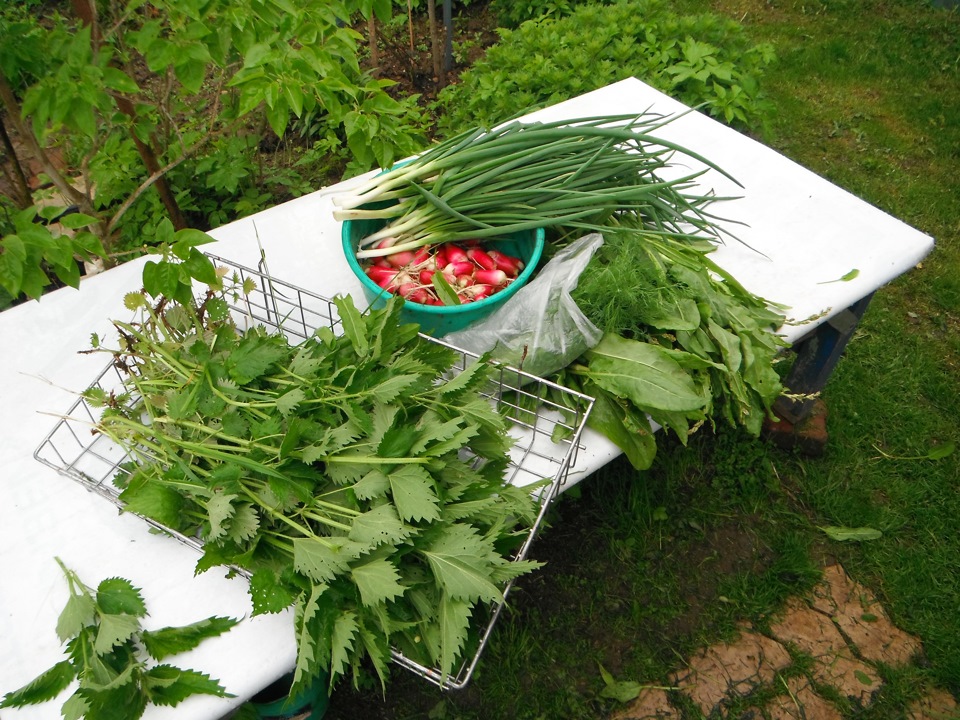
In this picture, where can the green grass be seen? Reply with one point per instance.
(643, 569)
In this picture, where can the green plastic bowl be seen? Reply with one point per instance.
(438, 320)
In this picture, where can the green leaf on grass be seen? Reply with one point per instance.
(851, 534)
(620, 690)
(941, 451)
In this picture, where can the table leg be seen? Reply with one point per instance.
(802, 419)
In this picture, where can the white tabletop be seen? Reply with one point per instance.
(808, 232)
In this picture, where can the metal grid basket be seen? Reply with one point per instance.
(547, 435)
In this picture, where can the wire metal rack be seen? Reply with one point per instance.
(547, 421)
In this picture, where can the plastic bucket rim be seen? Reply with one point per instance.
(539, 241)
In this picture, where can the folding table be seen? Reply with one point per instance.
(801, 235)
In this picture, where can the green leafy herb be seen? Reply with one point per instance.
(108, 654)
(353, 477)
(684, 343)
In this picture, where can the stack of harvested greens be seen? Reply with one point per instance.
(351, 476)
(684, 341)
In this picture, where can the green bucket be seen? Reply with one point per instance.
(439, 320)
(275, 703)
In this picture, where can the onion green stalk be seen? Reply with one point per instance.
(574, 173)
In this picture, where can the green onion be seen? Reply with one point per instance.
(574, 173)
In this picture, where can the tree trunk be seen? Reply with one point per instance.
(23, 197)
(434, 41)
(9, 100)
(410, 22)
(86, 10)
(374, 49)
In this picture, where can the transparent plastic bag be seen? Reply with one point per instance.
(540, 329)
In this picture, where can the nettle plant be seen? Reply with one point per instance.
(702, 60)
(133, 90)
(115, 662)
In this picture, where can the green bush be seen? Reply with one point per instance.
(511, 13)
(699, 59)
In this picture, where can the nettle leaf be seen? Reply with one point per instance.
(432, 428)
(396, 442)
(377, 580)
(219, 511)
(167, 641)
(117, 596)
(75, 707)
(467, 379)
(379, 526)
(244, 524)
(153, 500)
(454, 617)
(305, 624)
(268, 594)
(115, 630)
(344, 634)
(374, 484)
(288, 402)
(169, 685)
(459, 561)
(412, 489)
(322, 559)
(393, 387)
(253, 357)
(353, 325)
(79, 612)
(46, 686)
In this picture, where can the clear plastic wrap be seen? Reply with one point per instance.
(540, 329)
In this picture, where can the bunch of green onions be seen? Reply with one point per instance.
(572, 174)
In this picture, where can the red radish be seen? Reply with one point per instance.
(382, 262)
(459, 268)
(472, 293)
(490, 277)
(401, 259)
(382, 276)
(508, 263)
(482, 259)
(386, 243)
(440, 256)
(426, 276)
(421, 255)
(456, 254)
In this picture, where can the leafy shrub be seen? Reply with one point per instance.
(511, 13)
(151, 105)
(700, 60)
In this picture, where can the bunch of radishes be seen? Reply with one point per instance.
(471, 271)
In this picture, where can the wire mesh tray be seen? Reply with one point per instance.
(547, 438)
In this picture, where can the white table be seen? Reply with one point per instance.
(809, 233)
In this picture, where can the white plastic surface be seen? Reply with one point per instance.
(809, 231)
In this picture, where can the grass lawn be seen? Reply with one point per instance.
(645, 568)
